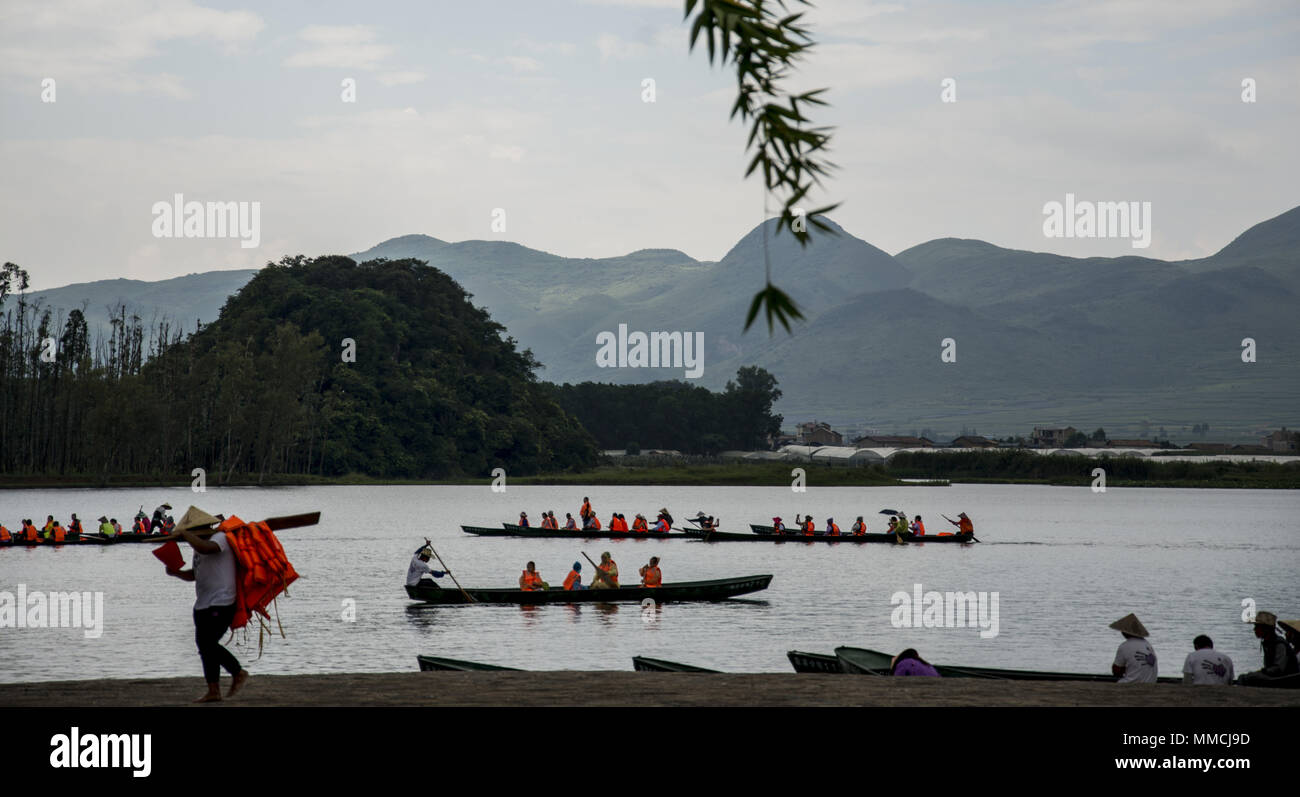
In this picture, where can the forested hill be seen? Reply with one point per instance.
(435, 388)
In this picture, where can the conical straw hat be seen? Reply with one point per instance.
(1131, 625)
(1265, 618)
(195, 518)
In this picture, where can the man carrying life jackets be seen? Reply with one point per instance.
(530, 580)
(650, 574)
(832, 528)
(606, 573)
(420, 567)
(574, 579)
(964, 526)
(918, 528)
(106, 528)
(859, 527)
(569, 522)
(639, 523)
(523, 520)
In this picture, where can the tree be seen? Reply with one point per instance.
(763, 48)
(1076, 440)
(1098, 436)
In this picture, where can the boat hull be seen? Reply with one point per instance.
(716, 590)
(765, 534)
(439, 664)
(509, 530)
(802, 661)
(862, 661)
(645, 664)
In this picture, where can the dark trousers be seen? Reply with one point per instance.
(209, 626)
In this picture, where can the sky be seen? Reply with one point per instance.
(534, 113)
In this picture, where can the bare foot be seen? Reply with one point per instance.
(210, 697)
(238, 682)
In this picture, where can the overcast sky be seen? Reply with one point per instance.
(535, 107)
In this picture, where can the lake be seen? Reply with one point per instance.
(1063, 561)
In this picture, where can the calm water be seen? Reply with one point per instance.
(1064, 561)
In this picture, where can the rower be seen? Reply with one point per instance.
(569, 522)
(777, 526)
(663, 513)
(859, 527)
(639, 523)
(75, 526)
(964, 526)
(1279, 658)
(1135, 660)
(106, 528)
(662, 525)
(421, 572)
(159, 515)
(523, 520)
(832, 528)
(530, 580)
(606, 573)
(651, 575)
(809, 527)
(574, 579)
(918, 528)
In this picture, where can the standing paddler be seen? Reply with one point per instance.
(213, 574)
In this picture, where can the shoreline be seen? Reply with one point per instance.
(563, 688)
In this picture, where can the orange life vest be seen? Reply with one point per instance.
(859, 528)
(640, 525)
(140, 527)
(586, 509)
(661, 525)
(75, 526)
(835, 530)
(5, 536)
(29, 531)
(595, 523)
(808, 528)
(263, 571)
(964, 526)
(532, 581)
(920, 529)
(59, 534)
(571, 579)
(652, 577)
(605, 569)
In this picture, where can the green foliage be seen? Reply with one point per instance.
(675, 415)
(436, 391)
(763, 46)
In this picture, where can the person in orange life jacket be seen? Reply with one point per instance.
(141, 524)
(5, 536)
(664, 513)
(859, 527)
(832, 528)
(169, 525)
(809, 527)
(595, 523)
(29, 531)
(650, 574)
(614, 523)
(75, 526)
(639, 524)
(585, 511)
(574, 579)
(59, 534)
(661, 525)
(117, 527)
(214, 576)
(777, 526)
(159, 515)
(964, 526)
(569, 522)
(606, 573)
(420, 567)
(523, 520)
(530, 580)
(918, 528)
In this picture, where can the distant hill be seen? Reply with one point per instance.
(1124, 343)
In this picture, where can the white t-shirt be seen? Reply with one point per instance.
(1138, 660)
(416, 570)
(1208, 666)
(214, 575)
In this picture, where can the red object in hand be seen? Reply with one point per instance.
(169, 553)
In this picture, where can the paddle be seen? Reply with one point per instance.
(468, 596)
(274, 523)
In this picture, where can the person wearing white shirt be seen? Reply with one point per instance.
(420, 567)
(1205, 665)
(1135, 660)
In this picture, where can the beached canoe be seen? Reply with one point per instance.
(644, 664)
(802, 661)
(861, 661)
(437, 663)
(511, 530)
(716, 590)
(765, 534)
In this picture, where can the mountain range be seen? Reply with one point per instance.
(1129, 343)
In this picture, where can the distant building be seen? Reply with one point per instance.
(1282, 441)
(973, 441)
(892, 441)
(818, 433)
(1044, 437)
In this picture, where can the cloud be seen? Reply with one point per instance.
(507, 153)
(341, 47)
(613, 46)
(98, 46)
(523, 63)
(401, 78)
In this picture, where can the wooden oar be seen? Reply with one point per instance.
(468, 596)
(274, 523)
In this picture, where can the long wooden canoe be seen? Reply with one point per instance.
(716, 590)
(437, 663)
(71, 539)
(862, 661)
(802, 661)
(766, 534)
(511, 530)
(644, 664)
